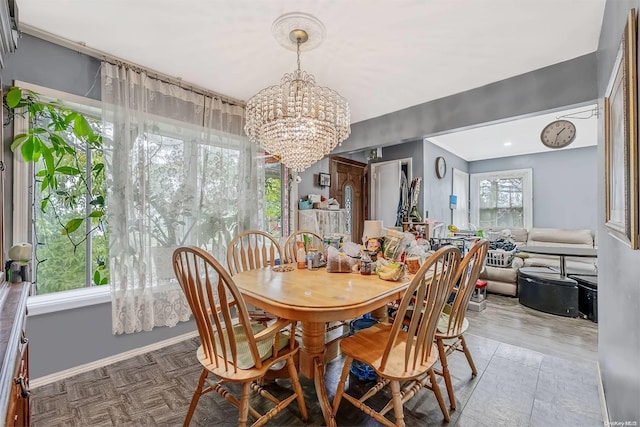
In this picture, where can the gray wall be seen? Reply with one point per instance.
(567, 83)
(67, 338)
(564, 185)
(410, 150)
(618, 265)
(436, 191)
(45, 64)
(309, 184)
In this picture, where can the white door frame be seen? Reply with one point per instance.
(372, 182)
(464, 176)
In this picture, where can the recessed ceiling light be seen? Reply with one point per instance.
(508, 143)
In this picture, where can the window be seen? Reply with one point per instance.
(79, 259)
(212, 176)
(502, 199)
(274, 195)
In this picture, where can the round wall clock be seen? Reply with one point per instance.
(441, 167)
(558, 134)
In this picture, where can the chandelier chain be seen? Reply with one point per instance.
(299, 42)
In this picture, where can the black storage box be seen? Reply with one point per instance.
(543, 289)
(587, 296)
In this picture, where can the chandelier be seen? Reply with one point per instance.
(297, 121)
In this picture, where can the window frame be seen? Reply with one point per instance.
(527, 192)
(22, 180)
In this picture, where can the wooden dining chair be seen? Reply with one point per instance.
(315, 241)
(250, 250)
(402, 355)
(452, 323)
(233, 349)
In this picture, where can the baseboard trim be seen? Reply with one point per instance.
(57, 376)
(603, 399)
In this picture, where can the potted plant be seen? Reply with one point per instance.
(58, 142)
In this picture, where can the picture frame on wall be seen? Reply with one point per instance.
(324, 180)
(621, 140)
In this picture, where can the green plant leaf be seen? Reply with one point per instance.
(37, 148)
(104, 281)
(81, 127)
(98, 201)
(27, 149)
(97, 168)
(48, 159)
(43, 205)
(35, 108)
(13, 97)
(72, 226)
(18, 140)
(68, 170)
(96, 214)
(96, 278)
(45, 184)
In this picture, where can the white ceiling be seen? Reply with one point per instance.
(382, 56)
(518, 136)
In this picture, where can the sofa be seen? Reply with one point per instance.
(505, 280)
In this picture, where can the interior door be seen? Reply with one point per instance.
(385, 191)
(348, 187)
(460, 188)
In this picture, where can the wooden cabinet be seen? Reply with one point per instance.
(14, 350)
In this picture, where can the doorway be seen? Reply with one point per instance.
(386, 183)
(349, 188)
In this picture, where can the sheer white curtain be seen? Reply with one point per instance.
(179, 172)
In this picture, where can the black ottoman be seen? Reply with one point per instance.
(544, 289)
(587, 296)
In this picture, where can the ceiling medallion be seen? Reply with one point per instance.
(298, 121)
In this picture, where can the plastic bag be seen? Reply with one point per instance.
(390, 270)
(338, 262)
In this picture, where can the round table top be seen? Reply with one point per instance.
(560, 250)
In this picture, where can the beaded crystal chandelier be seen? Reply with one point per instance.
(298, 122)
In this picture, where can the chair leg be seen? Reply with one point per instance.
(436, 390)
(343, 377)
(467, 353)
(398, 411)
(196, 397)
(295, 381)
(446, 374)
(244, 404)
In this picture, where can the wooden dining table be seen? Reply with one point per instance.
(315, 298)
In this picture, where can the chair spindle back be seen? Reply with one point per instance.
(298, 236)
(252, 249)
(217, 305)
(427, 294)
(468, 273)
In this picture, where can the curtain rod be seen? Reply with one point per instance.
(98, 54)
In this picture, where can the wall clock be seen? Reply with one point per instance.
(441, 167)
(558, 134)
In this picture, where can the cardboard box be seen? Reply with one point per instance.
(321, 205)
